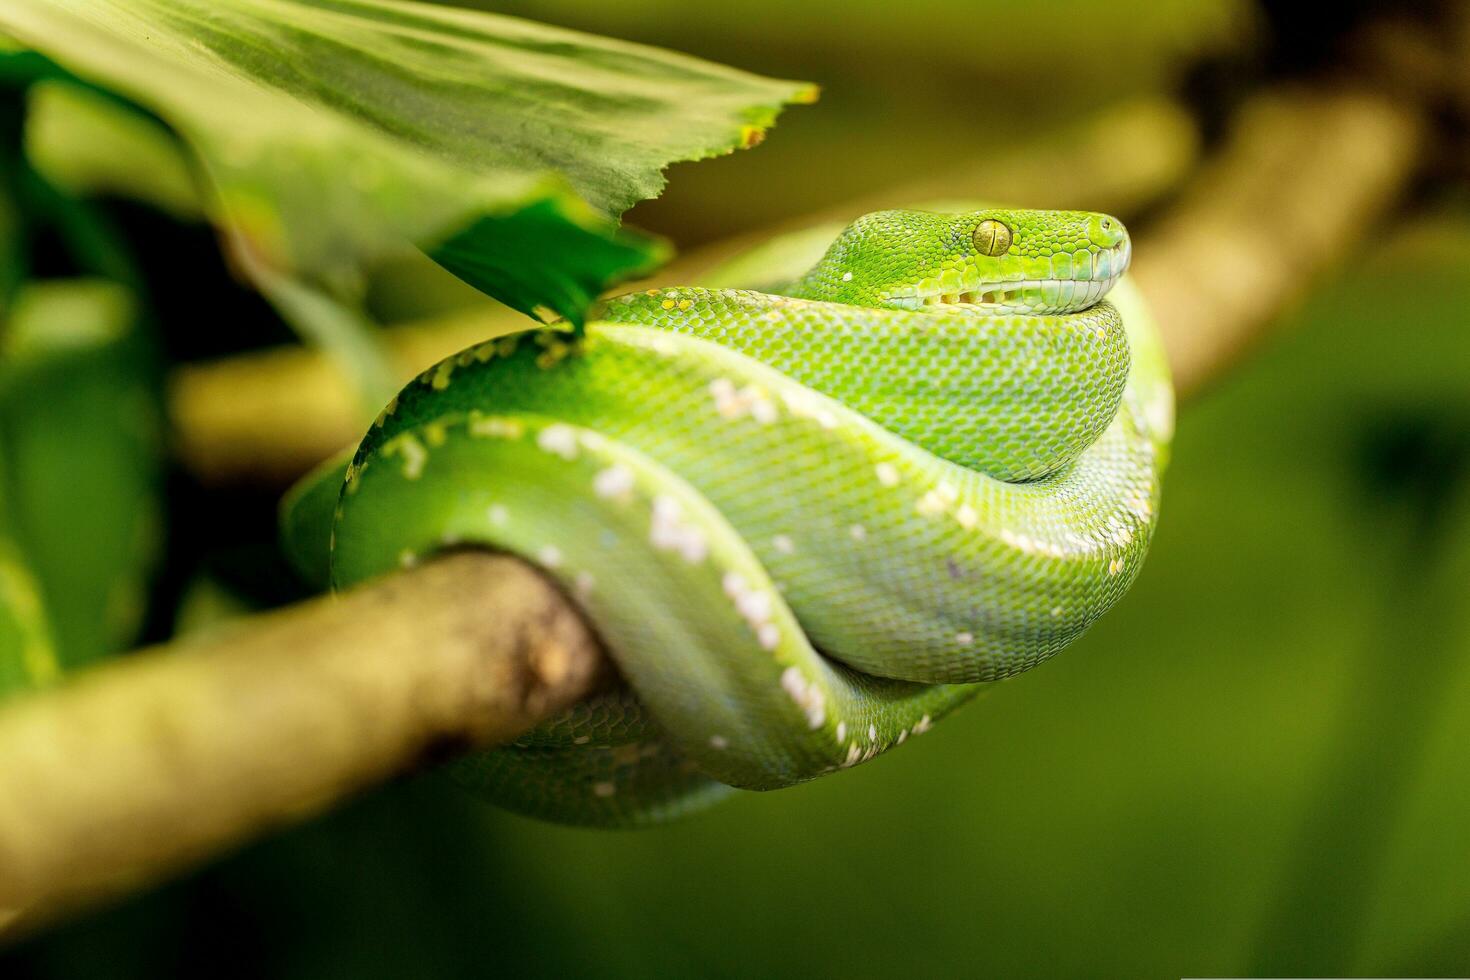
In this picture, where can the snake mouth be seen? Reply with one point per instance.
(1073, 286)
(1026, 296)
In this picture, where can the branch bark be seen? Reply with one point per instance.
(1306, 174)
(168, 756)
(139, 768)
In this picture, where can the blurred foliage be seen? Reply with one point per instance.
(465, 134)
(1253, 765)
(89, 144)
(80, 429)
(27, 652)
(906, 91)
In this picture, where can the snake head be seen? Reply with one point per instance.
(997, 260)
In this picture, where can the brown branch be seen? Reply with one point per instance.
(174, 754)
(163, 758)
(1306, 174)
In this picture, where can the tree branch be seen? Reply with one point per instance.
(1306, 174)
(160, 759)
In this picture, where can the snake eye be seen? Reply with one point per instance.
(992, 237)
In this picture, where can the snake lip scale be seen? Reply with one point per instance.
(806, 521)
(989, 298)
(1063, 281)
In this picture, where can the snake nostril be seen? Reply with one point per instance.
(1106, 231)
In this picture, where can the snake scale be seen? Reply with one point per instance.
(806, 521)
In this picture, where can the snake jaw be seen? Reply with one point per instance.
(1027, 296)
(1071, 287)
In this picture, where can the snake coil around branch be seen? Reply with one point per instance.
(807, 520)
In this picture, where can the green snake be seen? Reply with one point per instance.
(806, 521)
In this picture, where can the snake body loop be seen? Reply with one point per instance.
(806, 522)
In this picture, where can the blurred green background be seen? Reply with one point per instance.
(1255, 765)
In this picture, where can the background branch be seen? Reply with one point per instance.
(1307, 174)
(134, 770)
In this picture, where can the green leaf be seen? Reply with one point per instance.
(336, 133)
(12, 247)
(27, 655)
(87, 144)
(81, 445)
(485, 254)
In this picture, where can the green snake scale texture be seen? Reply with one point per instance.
(806, 522)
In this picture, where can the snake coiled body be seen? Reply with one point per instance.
(806, 523)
